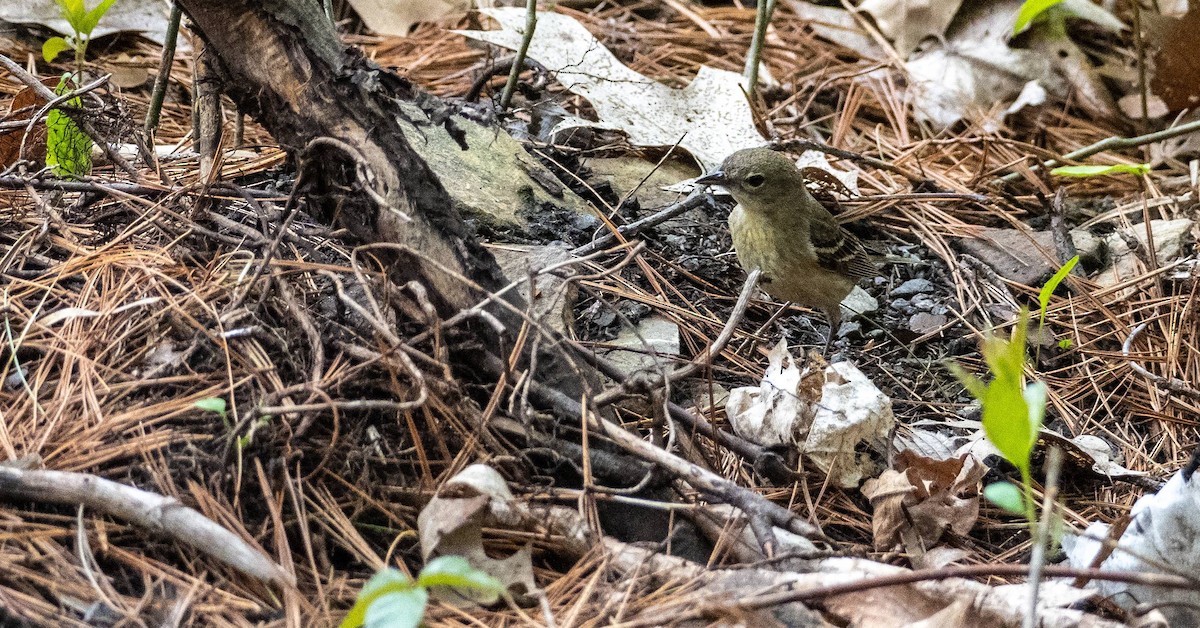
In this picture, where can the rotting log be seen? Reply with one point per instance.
(282, 63)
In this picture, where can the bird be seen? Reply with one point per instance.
(805, 256)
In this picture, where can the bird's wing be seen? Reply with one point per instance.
(839, 251)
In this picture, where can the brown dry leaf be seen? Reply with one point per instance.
(922, 498)
(886, 494)
(1177, 75)
(24, 104)
(452, 524)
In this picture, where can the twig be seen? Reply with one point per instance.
(635, 227)
(129, 188)
(164, 515)
(1170, 383)
(503, 65)
(762, 20)
(760, 512)
(164, 74)
(1041, 537)
(77, 117)
(809, 594)
(514, 74)
(1110, 143)
(915, 180)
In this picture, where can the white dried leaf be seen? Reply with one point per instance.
(709, 118)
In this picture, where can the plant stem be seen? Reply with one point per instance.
(761, 20)
(164, 73)
(519, 62)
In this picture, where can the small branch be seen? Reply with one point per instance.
(1041, 536)
(809, 594)
(1170, 383)
(514, 74)
(164, 74)
(77, 117)
(762, 20)
(164, 515)
(635, 227)
(915, 180)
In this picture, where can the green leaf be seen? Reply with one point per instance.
(92, 18)
(1050, 286)
(54, 47)
(212, 404)
(1007, 416)
(68, 148)
(1065, 343)
(973, 384)
(1096, 171)
(1030, 9)
(73, 12)
(455, 571)
(1007, 496)
(388, 600)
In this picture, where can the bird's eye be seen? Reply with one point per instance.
(755, 180)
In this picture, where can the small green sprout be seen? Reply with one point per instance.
(390, 599)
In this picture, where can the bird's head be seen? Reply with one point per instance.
(759, 179)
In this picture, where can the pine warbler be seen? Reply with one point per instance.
(778, 227)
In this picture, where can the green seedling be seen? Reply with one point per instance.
(214, 404)
(82, 21)
(68, 148)
(1012, 411)
(390, 599)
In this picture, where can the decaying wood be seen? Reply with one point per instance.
(338, 114)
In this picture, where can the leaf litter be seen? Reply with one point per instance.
(333, 493)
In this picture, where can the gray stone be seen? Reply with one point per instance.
(913, 286)
(925, 323)
(650, 346)
(496, 181)
(1026, 257)
(627, 174)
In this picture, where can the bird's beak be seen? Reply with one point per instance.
(716, 177)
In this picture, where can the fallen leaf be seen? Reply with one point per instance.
(451, 524)
(908, 22)
(397, 17)
(1177, 69)
(709, 118)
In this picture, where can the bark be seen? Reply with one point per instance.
(282, 63)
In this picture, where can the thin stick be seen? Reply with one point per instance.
(1041, 536)
(1170, 383)
(519, 61)
(164, 74)
(632, 229)
(762, 19)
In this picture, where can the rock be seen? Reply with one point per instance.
(626, 174)
(1170, 236)
(650, 346)
(925, 323)
(496, 181)
(913, 286)
(1026, 257)
(858, 302)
